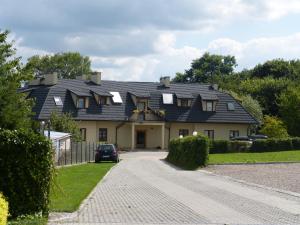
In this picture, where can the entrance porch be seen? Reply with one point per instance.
(148, 135)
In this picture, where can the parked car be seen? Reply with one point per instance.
(258, 137)
(242, 138)
(106, 152)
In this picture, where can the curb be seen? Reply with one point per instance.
(254, 163)
(294, 194)
(69, 216)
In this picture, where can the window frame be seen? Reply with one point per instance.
(186, 101)
(103, 134)
(233, 132)
(84, 102)
(83, 133)
(210, 134)
(212, 106)
(58, 101)
(183, 132)
(102, 100)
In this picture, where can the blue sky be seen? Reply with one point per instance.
(143, 40)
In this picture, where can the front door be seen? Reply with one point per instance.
(140, 139)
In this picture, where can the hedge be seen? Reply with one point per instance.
(3, 210)
(189, 152)
(271, 145)
(26, 169)
(225, 146)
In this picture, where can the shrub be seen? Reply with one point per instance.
(3, 210)
(219, 146)
(270, 145)
(26, 168)
(189, 152)
(238, 146)
(273, 127)
(296, 143)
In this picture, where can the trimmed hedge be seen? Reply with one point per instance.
(271, 145)
(26, 169)
(225, 146)
(3, 210)
(189, 152)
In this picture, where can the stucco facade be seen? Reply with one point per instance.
(155, 134)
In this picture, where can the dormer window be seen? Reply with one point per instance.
(184, 102)
(81, 103)
(80, 98)
(103, 100)
(209, 102)
(209, 106)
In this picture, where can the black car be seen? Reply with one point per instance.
(107, 152)
(242, 138)
(258, 137)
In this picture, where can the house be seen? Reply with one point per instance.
(139, 114)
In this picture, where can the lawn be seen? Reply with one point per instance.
(284, 156)
(28, 220)
(74, 183)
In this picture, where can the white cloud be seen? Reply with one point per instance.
(276, 9)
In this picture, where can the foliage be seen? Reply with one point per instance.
(15, 109)
(289, 109)
(28, 220)
(70, 193)
(208, 69)
(261, 157)
(3, 210)
(189, 152)
(65, 123)
(251, 105)
(225, 146)
(265, 91)
(26, 170)
(273, 127)
(68, 65)
(271, 145)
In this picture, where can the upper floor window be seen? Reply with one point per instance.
(103, 134)
(81, 103)
(103, 100)
(141, 106)
(209, 106)
(167, 98)
(230, 106)
(183, 132)
(210, 133)
(233, 133)
(58, 101)
(116, 97)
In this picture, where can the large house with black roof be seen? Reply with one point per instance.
(139, 114)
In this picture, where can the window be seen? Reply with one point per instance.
(102, 100)
(81, 103)
(234, 133)
(167, 98)
(183, 132)
(83, 134)
(141, 106)
(58, 101)
(230, 106)
(116, 97)
(210, 133)
(184, 103)
(209, 106)
(103, 134)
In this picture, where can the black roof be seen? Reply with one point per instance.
(44, 96)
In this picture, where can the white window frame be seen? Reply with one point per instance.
(116, 97)
(167, 98)
(58, 101)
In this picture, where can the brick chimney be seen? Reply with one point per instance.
(165, 81)
(96, 77)
(46, 79)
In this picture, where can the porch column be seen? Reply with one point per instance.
(132, 136)
(163, 136)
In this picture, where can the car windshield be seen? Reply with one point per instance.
(106, 148)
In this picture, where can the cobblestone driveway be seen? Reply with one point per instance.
(143, 189)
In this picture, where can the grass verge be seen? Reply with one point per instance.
(284, 156)
(73, 184)
(28, 220)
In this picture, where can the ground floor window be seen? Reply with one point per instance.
(183, 132)
(210, 133)
(103, 134)
(83, 134)
(233, 133)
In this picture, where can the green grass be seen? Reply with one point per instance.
(28, 220)
(284, 156)
(74, 183)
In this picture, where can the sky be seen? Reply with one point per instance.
(142, 40)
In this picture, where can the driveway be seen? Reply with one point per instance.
(143, 189)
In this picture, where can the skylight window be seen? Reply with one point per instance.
(58, 101)
(167, 98)
(116, 97)
(230, 106)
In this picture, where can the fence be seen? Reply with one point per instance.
(75, 153)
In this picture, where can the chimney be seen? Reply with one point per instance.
(165, 81)
(96, 77)
(82, 77)
(50, 79)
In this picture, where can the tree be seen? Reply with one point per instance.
(273, 127)
(64, 123)
(15, 109)
(289, 109)
(208, 69)
(68, 65)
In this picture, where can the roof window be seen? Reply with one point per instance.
(58, 101)
(116, 97)
(230, 106)
(167, 98)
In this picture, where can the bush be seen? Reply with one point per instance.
(189, 152)
(239, 146)
(26, 167)
(296, 143)
(219, 146)
(271, 145)
(3, 210)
